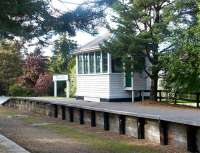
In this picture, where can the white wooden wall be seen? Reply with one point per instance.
(108, 86)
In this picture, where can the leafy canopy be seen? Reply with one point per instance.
(144, 28)
(30, 19)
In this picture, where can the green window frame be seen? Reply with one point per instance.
(104, 62)
(98, 62)
(91, 62)
(80, 64)
(85, 63)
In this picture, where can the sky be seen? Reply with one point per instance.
(81, 37)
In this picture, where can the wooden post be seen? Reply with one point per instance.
(140, 126)
(198, 99)
(122, 124)
(163, 133)
(175, 96)
(71, 114)
(81, 115)
(140, 95)
(160, 95)
(191, 139)
(106, 121)
(63, 112)
(93, 119)
(55, 111)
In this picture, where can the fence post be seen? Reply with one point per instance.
(175, 97)
(140, 95)
(198, 99)
(160, 95)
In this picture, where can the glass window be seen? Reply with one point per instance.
(85, 61)
(80, 64)
(98, 62)
(91, 60)
(117, 66)
(104, 62)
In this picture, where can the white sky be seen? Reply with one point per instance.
(81, 37)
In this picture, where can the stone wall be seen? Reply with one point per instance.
(77, 115)
(152, 131)
(100, 120)
(114, 122)
(131, 126)
(177, 134)
(87, 117)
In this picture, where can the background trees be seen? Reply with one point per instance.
(182, 66)
(144, 29)
(63, 62)
(10, 65)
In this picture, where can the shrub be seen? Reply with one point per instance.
(19, 90)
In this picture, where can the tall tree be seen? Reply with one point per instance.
(10, 64)
(30, 19)
(182, 65)
(62, 54)
(143, 30)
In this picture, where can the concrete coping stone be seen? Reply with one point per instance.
(11, 146)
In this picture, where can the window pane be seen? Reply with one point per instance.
(105, 62)
(80, 66)
(85, 60)
(91, 56)
(98, 61)
(117, 66)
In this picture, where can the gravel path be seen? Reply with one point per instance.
(39, 140)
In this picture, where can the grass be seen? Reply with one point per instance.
(97, 142)
(93, 140)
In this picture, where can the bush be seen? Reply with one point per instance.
(19, 90)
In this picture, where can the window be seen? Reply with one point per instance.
(104, 62)
(91, 62)
(85, 61)
(98, 62)
(117, 66)
(80, 64)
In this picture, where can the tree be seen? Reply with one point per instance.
(63, 61)
(62, 54)
(182, 66)
(10, 65)
(30, 19)
(43, 83)
(143, 30)
(35, 64)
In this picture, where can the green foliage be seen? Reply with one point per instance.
(143, 27)
(62, 51)
(10, 64)
(20, 91)
(183, 65)
(63, 62)
(37, 18)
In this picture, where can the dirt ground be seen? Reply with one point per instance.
(31, 132)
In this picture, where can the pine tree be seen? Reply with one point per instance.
(30, 19)
(143, 30)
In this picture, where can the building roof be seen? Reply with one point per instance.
(93, 45)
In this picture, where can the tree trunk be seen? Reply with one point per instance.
(154, 86)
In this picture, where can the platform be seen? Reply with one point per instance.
(171, 114)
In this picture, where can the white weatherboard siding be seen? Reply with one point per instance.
(117, 86)
(139, 81)
(108, 86)
(96, 86)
